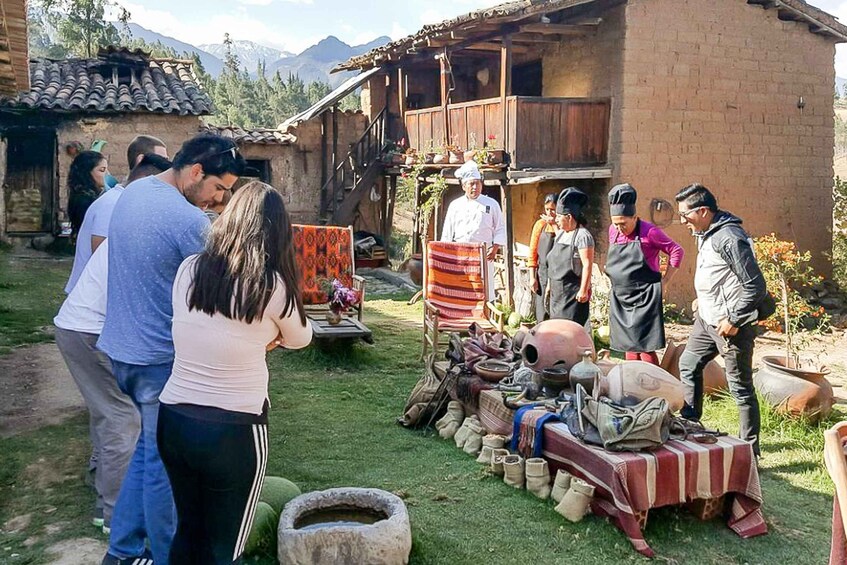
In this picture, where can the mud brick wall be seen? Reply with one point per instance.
(118, 131)
(710, 95)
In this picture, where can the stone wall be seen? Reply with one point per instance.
(711, 94)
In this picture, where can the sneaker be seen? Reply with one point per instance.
(97, 520)
(143, 559)
(106, 529)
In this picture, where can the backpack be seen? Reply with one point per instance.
(616, 427)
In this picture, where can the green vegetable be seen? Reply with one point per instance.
(514, 319)
(277, 492)
(262, 538)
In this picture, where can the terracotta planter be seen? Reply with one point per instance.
(440, 159)
(779, 363)
(429, 158)
(714, 377)
(496, 156)
(457, 157)
(398, 158)
(796, 393)
(411, 159)
(334, 318)
(414, 266)
(555, 341)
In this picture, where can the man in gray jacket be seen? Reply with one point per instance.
(730, 287)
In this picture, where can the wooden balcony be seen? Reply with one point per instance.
(545, 133)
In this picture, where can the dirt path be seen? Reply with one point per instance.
(36, 388)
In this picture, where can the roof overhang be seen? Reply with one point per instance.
(330, 99)
(14, 47)
(526, 22)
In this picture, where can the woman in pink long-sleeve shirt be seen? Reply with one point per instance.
(632, 264)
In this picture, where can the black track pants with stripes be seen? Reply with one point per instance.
(216, 464)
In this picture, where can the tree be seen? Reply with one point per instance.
(80, 25)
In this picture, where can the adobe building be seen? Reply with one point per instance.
(735, 94)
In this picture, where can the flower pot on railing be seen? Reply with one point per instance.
(429, 158)
(496, 156)
(440, 159)
(398, 158)
(457, 157)
(411, 159)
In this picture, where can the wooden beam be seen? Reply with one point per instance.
(534, 38)
(445, 94)
(401, 99)
(563, 29)
(491, 46)
(505, 84)
(508, 252)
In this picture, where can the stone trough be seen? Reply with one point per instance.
(345, 526)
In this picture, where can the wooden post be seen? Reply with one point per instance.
(324, 176)
(391, 198)
(505, 84)
(401, 99)
(416, 225)
(334, 203)
(508, 253)
(445, 94)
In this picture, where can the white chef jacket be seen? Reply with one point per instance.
(474, 221)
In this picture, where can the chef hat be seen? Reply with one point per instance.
(622, 200)
(571, 200)
(468, 171)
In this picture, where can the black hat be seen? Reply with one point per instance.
(571, 200)
(622, 200)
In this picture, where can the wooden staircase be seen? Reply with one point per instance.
(355, 175)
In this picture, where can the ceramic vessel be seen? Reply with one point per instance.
(555, 341)
(555, 380)
(585, 373)
(334, 318)
(794, 392)
(414, 266)
(714, 377)
(634, 381)
(492, 371)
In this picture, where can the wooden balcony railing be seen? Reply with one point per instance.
(543, 132)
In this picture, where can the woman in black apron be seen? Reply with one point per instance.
(543, 234)
(570, 278)
(636, 319)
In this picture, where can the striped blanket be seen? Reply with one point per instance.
(454, 279)
(630, 484)
(322, 253)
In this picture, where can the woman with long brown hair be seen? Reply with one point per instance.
(233, 302)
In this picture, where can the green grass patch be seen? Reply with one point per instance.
(332, 424)
(31, 291)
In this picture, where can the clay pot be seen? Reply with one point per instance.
(457, 157)
(429, 158)
(439, 159)
(714, 377)
(809, 396)
(555, 379)
(555, 341)
(414, 266)
(635, 381)
(781, 364)
(334, 318)
(496, 156)
(605, 362)
(492, 371)
(411, 159)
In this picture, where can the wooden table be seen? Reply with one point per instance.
(348, 328)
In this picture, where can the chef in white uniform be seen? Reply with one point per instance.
(475, 218)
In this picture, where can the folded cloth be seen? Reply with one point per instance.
(527, 434)
(481, 346)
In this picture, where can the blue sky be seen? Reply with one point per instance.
(293, 25)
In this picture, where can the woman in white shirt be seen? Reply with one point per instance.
(234, 301)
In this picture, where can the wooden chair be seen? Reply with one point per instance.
(835, 459)
(455, 281)
(325, 253)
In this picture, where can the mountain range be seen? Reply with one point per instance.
(313, 64)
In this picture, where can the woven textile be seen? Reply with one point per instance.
(630, 484)
(323, 253)
(495, 416)
(454, 280)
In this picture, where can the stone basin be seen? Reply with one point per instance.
(345, 526)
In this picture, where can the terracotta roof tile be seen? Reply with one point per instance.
(258, 136)
(162, 86)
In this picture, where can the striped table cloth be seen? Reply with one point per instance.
(630, 484)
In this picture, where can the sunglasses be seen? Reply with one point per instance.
(684, 215)
(232, 151)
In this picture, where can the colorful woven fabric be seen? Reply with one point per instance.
(629, 484)
(454, 280)
(495, 416)
(323, 253)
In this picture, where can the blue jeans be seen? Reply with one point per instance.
(145, 506)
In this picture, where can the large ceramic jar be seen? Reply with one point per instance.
(794, 392)
(555, 341)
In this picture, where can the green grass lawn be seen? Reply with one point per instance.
(332, 424)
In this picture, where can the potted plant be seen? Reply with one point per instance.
(786, 271)
(457, 156)
(412, 156)
(341, 299)
(493, 155)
